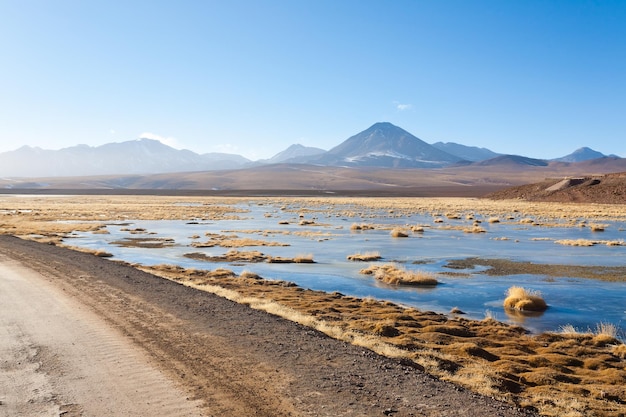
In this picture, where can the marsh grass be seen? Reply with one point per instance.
(364, 257)
(587, 242)
(230, 256)
(304, 259)
(619, 350)
(298, 259)
(144, 242)
(398, 232)
(393, 275)
(474, 229)
(361, 226)
(521, 299)
(233, 241)
(101, 253)
(596, 227)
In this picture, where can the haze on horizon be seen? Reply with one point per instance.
(532, 78)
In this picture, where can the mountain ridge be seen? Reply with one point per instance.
(382, 145)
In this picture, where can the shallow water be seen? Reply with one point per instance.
(580, 302)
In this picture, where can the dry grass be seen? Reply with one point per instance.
(606, 329)
(474, 229)
(398, 232)
(575, 242)
(587, 242)
(96, 252)
(298, 259)
(230, 256)
(361, 226)
(619, 350)
(233, 241)
(391, 274)
(365, 257)
(304, 259)
(521, 299)
(596, 227)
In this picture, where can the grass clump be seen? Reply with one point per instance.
(391, 274)
(474, 229)
(398, 232)
(518, 298)
(575, 242)
(304, 259)
(360, 226)
(619, 351)
(596, 227)
(365, 257)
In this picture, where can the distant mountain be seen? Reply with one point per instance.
(142, 156)
(294, 154)
(386, 145)
(581, 154)
(512, 161)
(383, 145)
(468, 153)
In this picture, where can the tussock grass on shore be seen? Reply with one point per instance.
(365, 257)
(519, 298)
(485, 356)
(391, 274)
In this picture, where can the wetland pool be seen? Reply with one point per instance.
(327, 234)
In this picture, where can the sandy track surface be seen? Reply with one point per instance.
(85, 336)
(59, 358)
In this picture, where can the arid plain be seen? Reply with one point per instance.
(564, 373)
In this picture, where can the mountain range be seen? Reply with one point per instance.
(383, 145)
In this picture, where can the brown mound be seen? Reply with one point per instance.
(604, 189)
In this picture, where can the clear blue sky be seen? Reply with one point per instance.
(536, 78)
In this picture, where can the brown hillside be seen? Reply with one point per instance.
(604, 189)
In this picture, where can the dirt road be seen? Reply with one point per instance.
(59, 357)
(83, 336)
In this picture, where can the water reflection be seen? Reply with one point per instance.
(330, 239)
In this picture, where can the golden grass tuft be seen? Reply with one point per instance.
(518, 298)
(391, 274)
(619, 351)
(474, 229)
(365, 257)
(575, 242)
(361, 226)
(304, 259)
(398, 232)
(597, 227)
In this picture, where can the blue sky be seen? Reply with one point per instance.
(536, 78)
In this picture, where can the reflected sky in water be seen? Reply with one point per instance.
(580, 302)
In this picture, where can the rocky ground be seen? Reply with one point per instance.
(603, 189)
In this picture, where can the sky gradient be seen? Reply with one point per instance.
(534, 78)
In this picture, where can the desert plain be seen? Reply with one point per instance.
(335, 354)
